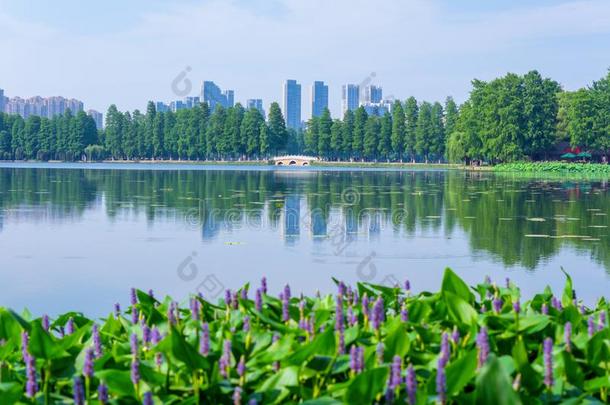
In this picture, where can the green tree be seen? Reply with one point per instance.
(360, 118)
(114, 132)
(370, 141)
(437, 138)
(424, 131)
(411, 116)
(385, 135)
(347, 134)
(398, 130)
(312, 136)
(251, 131)
(277, 135)
(324, 139)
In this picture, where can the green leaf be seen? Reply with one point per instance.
(567, 298)
(365, 387)
(322, 401)
(573, 371)
(598, 348)
(529, 377)
(454, 284)
(118, 381)
(397, 341)
(460, 310)
(493, 385)
(460, 372)
(186, 353)
(10, 393)
(44, 346)
(323, 344)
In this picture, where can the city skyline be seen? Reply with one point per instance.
(119, 61)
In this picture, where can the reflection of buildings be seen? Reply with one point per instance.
(318, 223)
(292, 217)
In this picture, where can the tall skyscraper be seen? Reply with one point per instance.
(319, 98)
(160, 106)
(373, 94)
(1, 100)
(98, 117)
(40, 106)
(213, 95)
(255, 103)
(350, 97)
(292, 104)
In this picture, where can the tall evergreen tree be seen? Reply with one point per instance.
(360, 118)
(277, 135)
(325, 125)
(398, 130)
(411, 116)
(385, 135)
(424, 131)
(347, 134)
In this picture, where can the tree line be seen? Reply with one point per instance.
(514, 117)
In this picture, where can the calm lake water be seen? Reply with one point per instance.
(76, 236)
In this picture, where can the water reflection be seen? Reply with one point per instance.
(515, 221)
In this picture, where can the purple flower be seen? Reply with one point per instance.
(507, 282)
(441, 382)
(548, 362)
(135, 372)
(156, 338)
(78, 391)
(146, 335)
(487, 280)
(133, 341)
(45, 322)
(445, 349)
(455, 335)
(404, 313)
(483, 346)
(31, 386)
(378, 314)
(171, 316)
(234, 300)
(556, 303)
(352, 319)
(70, 326)
(97, 342)
(341, 345)
(117, 310)
(582, 309)
(133, 297)
(241, 366)
(379, 352)
(286, 303)
(365, 305)
(353, 359)
(244, 293)
(339, 322)
(228, 297)
(194, 309)
(148, 398)
(204, 343)
(395, 373)
(225, 359)
(355, 299)
(411, 383)
(497, 304)
(237, 396)
(341, 289)
(602, 320)
(264, 285)
(134, 315)
(102, 393)
(151, 294)
(246, 326)
(258, 300)
(591, 326)
(545, 309)
(408, 286)
(517, 306)
(567, 336)
(25, 340)
(88, 365)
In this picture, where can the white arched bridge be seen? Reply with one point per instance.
(293, 160)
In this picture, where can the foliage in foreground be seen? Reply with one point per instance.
(372, 344)
(554, 167)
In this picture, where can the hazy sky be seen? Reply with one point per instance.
(128, 52)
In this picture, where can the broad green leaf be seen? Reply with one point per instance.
(461, 372)
(494, 386)
(186, 353)
(365, 387)
(397, 341)
(460, 310)
(44, 346)
(118, 381)
(454, 284)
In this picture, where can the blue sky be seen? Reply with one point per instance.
(128, 52)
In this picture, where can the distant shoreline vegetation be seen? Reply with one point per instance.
(509, 119)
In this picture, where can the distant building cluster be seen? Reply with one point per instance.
(47, 107)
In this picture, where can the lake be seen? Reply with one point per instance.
(78, 236)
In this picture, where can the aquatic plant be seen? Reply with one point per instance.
(317, 350)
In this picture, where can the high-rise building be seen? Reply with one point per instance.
(160, 106)
(292, 104)
(40, 106)
(319, 98)
(378, 109)
(2, 102)
(177, 105)
(213, 95)
(373, 94)
(350, 97)
(255, 103)
(192, 102)
(98, 117)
